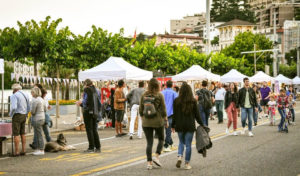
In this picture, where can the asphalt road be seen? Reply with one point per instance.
(267, 153)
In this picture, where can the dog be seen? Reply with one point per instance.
(59, 145)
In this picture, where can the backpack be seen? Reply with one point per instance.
(149, 107)
(204, 99)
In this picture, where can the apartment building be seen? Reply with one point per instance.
(230, 29)
(214, 32)
(188, 40)
(23, 69)
(291, 35)
(188, 22)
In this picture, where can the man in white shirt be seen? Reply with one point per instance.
(19, 110)
(219, 97)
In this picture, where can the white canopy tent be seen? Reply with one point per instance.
(115, 68)
(261, 77)
(194, 73)
(233, 76)
(282, 79)
(296, 80)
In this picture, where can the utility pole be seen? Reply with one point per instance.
(254, 58)
(298, 50)
(208, 30)
(274, 42)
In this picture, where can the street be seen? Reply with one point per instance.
(267, 153)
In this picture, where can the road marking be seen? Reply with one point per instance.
(139, 160)
(2, 173)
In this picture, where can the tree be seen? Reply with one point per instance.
(227, 10)
(215, 41)
(297, 13)
(291, 56)
(245, 42)
(7, 76)
(288, 70)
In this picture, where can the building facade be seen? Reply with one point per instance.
(291, 35)
(214, 32)
(188, 40)
(265, 16)
(188, 22)
(23, 69)
(230, 29)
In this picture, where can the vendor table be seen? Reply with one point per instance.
(5, 132)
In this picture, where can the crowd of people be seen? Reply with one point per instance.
(159, 111)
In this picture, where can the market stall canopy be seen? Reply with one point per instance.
(296, 80)
(233, 76)
(282, 79)
(115, 68)
(195, 72)
(261, 77)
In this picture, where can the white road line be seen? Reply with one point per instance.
(104, 139)
(163, 155)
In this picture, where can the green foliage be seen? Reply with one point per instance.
(288, 70)
(215, 41)
(297, 13)
(291, 56)
(227, 10)
(7, 76)
(245, 42)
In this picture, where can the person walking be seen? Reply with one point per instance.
(231, 107)
(205, 100)
(247, 102)
(258, 100)
(185, 113)
(48, 121)
(220, 96)
(169, 95)
(91, 104)
(265, 92)
(19, 110)
(119, 105)
(134, 98)
(38, 109)
(154, 118)
(282, 103)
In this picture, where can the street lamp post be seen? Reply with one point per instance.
(208, 30)
(274, 42)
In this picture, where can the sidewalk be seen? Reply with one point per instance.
(65, 122)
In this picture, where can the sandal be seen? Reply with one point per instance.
(23, 153)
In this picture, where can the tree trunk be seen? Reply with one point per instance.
(63, 92)
(57, 95)
(67, 96)
(35, 68)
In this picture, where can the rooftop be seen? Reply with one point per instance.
(236, 22)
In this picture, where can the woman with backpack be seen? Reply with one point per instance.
(185, 113)
(154, 118)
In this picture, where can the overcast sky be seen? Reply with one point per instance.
(147, 16)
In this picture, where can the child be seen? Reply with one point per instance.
(271, 110)
(291, 107)
(282, 102)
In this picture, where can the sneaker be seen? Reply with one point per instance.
(243, 131)
(187, 167)
(130, 138)
(32, 146)
(98, 150)
(167, 149)
(235, 133)
(38, 152)
(178, 164)
(227, 131)
(119, 135)
(140, 137)
(149, 166)
(255, 123)
(156, 162)
(250, 134)
(89, 151)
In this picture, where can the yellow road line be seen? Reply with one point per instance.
(110, 166)
(143, 157)
(2, 173)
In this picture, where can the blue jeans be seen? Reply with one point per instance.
(219, 107)
(185, 138)
(38, 137)
(168, 140)
(283, 116)
(46, 130)
(204, 113)
(255, 116)
(293, 114)
(247, 113)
